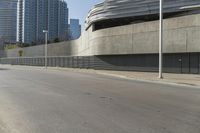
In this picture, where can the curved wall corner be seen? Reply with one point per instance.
(181, 35)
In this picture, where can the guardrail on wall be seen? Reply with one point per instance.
(71, 62)
(173, 63)
(84, 62)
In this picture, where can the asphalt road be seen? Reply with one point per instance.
(52, 101)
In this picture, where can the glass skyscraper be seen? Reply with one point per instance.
(63, 20)
(74, 29)
(8, 9)
(34, 16)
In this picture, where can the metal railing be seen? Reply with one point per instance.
(71, 62)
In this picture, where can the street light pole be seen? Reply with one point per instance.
(161, 41)
(46, 47)
(161, 34)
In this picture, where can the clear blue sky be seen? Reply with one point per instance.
(79, 8)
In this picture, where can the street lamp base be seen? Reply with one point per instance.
(161, 77)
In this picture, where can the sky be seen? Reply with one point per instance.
(78, 9)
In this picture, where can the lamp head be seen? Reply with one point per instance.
(45, 31)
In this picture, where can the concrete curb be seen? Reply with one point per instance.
(91, 71)
(151, 81)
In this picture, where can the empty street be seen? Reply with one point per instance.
(35, 100)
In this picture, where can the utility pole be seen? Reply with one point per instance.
(46, 46)
(161, 41)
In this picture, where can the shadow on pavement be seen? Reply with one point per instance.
(4, 69)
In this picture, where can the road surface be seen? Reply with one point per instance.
(52, 101)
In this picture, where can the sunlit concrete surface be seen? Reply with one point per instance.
(35, 100)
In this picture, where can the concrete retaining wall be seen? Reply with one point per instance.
(173, 63)
(2, 53)
(182, 35)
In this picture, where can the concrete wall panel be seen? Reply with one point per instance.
(35, 51)
(175, 41)
(145, 42)
(112, 45)
(193, 39)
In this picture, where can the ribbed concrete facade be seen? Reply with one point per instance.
(111, 9)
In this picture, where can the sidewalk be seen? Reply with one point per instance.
(190, 80)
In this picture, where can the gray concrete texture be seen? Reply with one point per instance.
(34, 100)
(182, 34)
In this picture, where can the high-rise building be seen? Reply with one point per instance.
(58, 19)
(26, 21)
(42, 20)
(8, 16)
(74, 29)
(63, 20)
(34, 16)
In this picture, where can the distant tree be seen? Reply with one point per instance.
(18, 44)
(2, 42)
(25, 45)
(33, 43)
(10, 46)
(20, 53)
(56, 40)
(40, 41)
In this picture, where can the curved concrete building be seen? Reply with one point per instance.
(135, 10)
